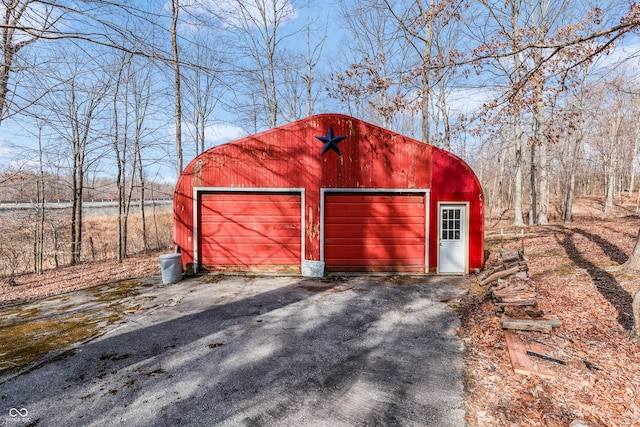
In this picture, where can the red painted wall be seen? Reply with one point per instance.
(372, 157)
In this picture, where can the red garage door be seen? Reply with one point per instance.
(374, 232)
(250, 232)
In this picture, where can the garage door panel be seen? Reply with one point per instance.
(257, 214)
(374, 232)
(252, 218)
(413, 221)
(259, 254)
(233, 229)
(251, 268)
(233, 208)
(250, 231)
(378, 267)
(369, 254)
(388, 199)
(368, 210)
(389, 241)
(371, 231)
(289, 241)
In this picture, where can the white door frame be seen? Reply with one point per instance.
(465, 230)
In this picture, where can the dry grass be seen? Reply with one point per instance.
(100, 239)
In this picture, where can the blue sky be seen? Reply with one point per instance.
(226, 127)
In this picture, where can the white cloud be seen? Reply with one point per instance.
(622, 59)
(4, 150)
(243, 14)
(467, 101)
(220, 134)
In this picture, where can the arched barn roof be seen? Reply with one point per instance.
(330, 188)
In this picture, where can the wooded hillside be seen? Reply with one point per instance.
(540, 98)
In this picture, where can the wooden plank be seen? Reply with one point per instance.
(507, 255)
(536, 346)
(504, 273)
(516, 296)
(525, 325)
(514, 291)
(539, 320)
(512, 303)
(545, 356)
(521, 363)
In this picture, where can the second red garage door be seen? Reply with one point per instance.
(250, 231)
(374, 232)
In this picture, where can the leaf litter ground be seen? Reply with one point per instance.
(575, 268)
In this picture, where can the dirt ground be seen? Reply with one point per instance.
(574, 268)
(28, 287)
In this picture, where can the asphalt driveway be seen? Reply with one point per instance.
(253, 351)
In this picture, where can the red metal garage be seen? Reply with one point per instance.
(330, 188)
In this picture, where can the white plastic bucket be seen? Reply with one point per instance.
(171, 268)
(312, 268)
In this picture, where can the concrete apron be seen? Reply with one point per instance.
(248, 351)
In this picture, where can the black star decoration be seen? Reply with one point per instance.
(330, 142)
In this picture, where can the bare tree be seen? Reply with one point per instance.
(257, 38)
(130, 102)
(75, 107)
(575, 139)
(204, 88)
(175, 13)
(23, 23)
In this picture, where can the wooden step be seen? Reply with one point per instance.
(521, 362)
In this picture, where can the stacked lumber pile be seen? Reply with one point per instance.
(516, 301)
(509, 282)
(514, 294)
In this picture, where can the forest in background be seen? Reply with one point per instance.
(540, 97)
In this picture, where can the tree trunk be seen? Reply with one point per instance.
(633, 161)
(633, 263)
(518, 220)
(120, 154)
(533, 216)
(517, 125)
(610, 178)
(5, 69)
(544, 184)
(143, 220)
(575, 149)
(426, 75)
(76, 221)
(501, 169)
(567, 212)
(175, 7)
(445, 114)
(40, 220)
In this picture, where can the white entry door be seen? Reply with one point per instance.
(453, 239)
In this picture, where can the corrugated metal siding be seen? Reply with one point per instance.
(289, 157)
(374, 232)
(250, 232)
(456, 182)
